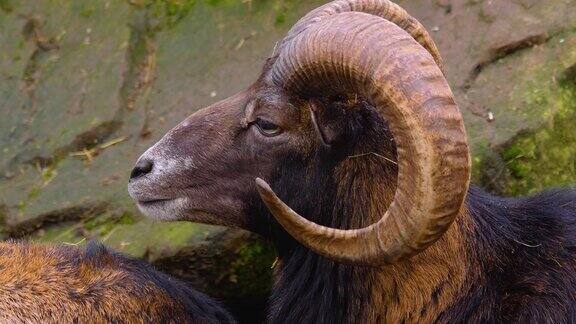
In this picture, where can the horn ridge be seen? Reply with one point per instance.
(382, 8)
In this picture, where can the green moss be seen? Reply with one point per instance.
(176, 235)
(103, 228)
(151, 240)
(87, 13)
(6, 6)
(34, 192)
(126, 219)
(48, 174)
(63, 233)
(283, 9)
(21, 206)
(91, 224)
(164, 14)
(104, 224)
(219, 3)
(545, 157)
(479, 154)
(251, 271)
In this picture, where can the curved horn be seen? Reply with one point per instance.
(381, 8)
(364, 54)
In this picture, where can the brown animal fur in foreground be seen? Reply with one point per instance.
(68, 284)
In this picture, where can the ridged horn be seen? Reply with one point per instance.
(360, 53)
(382, 8)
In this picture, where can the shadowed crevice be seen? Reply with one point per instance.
(503, 51)
(228, 276)
(33, 32)
(83, 141)
(74, 213)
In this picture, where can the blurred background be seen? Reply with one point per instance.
(87, 85)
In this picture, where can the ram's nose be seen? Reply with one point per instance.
(142, 168)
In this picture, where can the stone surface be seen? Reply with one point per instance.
(87, 86)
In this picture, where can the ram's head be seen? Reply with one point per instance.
(352, 108)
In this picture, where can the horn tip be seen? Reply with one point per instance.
(262, 185)
(266, 192)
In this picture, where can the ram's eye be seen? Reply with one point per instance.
(267, 128)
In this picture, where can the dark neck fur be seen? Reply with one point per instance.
(503, 260)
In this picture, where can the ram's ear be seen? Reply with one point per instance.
(315, 115)
(332, 119)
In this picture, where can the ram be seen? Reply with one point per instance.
(353, 125)
(68, 284)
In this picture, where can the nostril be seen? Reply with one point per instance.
(143, 167)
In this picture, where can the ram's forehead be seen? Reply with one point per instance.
(276, 101)
(273, 96)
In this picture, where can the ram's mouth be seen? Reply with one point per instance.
(145, 199)
(163, 209)
(153, 202)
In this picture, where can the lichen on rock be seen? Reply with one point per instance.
(545, 157)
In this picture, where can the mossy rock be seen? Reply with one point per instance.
(545, 157)
(542, 154)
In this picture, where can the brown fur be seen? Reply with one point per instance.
(415, 290)
(420, 289)
(66, 284)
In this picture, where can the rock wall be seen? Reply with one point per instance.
(87, 86)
